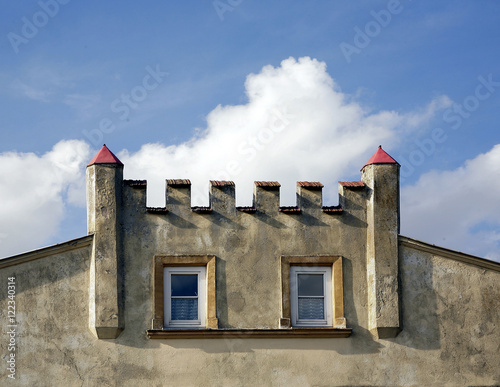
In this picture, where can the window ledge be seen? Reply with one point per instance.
(310, 333)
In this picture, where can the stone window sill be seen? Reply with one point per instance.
(310, 333)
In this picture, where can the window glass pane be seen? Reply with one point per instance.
(184, 309)
(311, 309)
(184, 285)
(310, 285)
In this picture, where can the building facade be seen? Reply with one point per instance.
(264, 295)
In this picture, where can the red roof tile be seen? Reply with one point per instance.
(290, 210)
(105, 156)
(352, 184)
(310, 184)
(380, 157)
(333, 209)
(201, 210)
(156, 210)
(178, 182)
(250, 209)
(267, 184)
(136, 183)
(222, 183)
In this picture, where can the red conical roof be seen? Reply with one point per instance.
(105, 156)
(380, 157)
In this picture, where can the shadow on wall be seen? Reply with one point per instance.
(33, 278)
(222, 304)
(420, 322)
(360, 342)
(351, 216)
(418, 302)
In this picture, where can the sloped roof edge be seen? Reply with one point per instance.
(451, 254)
(72, 244)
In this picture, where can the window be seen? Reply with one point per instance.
(184, 292)
(182, 311)
(312, 292)
(185, 297)
(311, 296)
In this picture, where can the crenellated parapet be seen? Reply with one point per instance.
(363, 228)
(222, 197)
(266, 197)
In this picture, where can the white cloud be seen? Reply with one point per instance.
(34, 190)
(425, 115)
(297, 125)
(458, 209)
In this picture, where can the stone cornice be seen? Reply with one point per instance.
(310, 333)
(72, 244)
(447, 253)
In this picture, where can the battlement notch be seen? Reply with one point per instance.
(266, 196)
(178, 194)
(222, 197)
(310, 196)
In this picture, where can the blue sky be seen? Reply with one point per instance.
(180, 89)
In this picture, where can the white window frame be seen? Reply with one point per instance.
(201, 271)
(327, 288)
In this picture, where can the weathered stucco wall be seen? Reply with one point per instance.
(51, 307)
(449, 338)
(248, 248)
(451, 314)
(448, 310)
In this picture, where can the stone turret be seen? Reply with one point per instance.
(381, 176)
(104, 193)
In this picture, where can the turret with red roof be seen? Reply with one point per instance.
(381, 176)
(104, 203)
